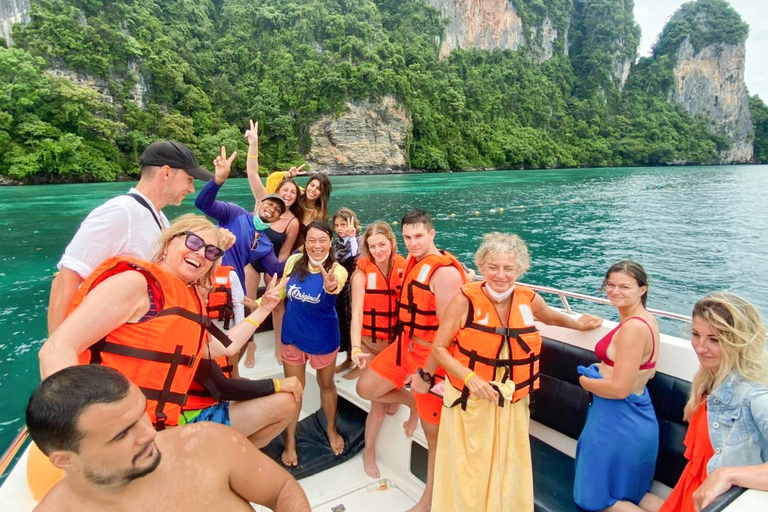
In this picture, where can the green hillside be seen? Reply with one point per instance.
(211, 65)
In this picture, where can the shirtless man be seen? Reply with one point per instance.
(432, 278)
(91, 422)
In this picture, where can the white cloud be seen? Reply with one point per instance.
(652, 15)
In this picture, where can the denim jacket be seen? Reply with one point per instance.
(737, 413)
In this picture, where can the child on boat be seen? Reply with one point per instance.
(346, 250)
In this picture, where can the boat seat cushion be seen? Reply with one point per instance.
(562, 404)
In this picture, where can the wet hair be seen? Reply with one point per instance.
(633, 270)
(55, 407)
(324, 199)
(301, 268)
(740, 333)
(346, 214)
(504, 243)
(379, 228)
(296, 208)
(188, 222)
(417, 216)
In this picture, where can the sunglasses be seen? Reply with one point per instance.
(195, 243)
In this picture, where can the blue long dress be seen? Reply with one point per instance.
(616, 452)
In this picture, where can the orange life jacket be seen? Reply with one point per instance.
(417, 309)
(380, 302)
(205, 393)
(160, 352)
(479, 343)
(220, 305)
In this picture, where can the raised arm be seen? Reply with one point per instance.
(206, 200)
(252, 165)
(115, 301)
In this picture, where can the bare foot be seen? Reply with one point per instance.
(336, 442)
(352, 374)
(410, 425)
(250, 355)
(369, 464)
(290, 457)
(343, 366)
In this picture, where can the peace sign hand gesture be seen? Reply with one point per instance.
(351, 229)
(330, 279)
(272, 295)
(252, 135)
(294, 171)
(222, 166)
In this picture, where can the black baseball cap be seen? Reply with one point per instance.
(175, 155)
(277, 199)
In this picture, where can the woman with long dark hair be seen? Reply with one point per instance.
(311, 328)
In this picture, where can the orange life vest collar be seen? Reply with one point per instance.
(479, 344)
(381, 294)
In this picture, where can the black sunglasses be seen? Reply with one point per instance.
(195, 243)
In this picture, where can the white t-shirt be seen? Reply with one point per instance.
(119, 227)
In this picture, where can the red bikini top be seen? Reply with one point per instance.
(601, 349)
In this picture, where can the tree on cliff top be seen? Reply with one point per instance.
(706, 22)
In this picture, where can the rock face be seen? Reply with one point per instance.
(711, 83)
(369, 137)
(11, 12)
(484, 24)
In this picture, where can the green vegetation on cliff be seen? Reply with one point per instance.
(210, 66)
(759, 112)
(706, 22)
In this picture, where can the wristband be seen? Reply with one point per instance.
(254, 157)
(356, 349)
(466, 379)
(277, 385)
(252, 322)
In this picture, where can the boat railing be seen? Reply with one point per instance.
(13, 449)
(565, 295)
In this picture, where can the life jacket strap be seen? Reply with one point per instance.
(173, 359)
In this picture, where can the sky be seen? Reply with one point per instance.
(652, 15)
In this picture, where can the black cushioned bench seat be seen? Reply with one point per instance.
(553, 474)
(561, 404)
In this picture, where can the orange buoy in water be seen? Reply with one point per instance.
(41, 474)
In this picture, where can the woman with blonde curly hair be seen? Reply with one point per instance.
(490, 349)
(147, 318)
(727, 413)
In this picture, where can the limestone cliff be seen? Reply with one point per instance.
(369, 137)
(12, 12)
(710, 82)
(484, 24)
(493, 24)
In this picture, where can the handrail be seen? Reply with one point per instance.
(564, 295)
(13, 449)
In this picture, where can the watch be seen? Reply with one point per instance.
(426, 376)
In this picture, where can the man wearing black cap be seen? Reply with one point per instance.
(127, 225)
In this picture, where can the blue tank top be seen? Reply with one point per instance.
(310, 323)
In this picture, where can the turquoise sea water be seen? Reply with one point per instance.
(695, 229)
